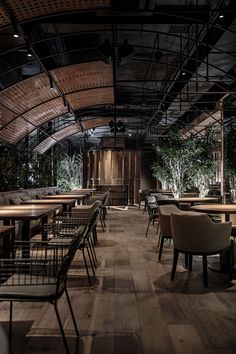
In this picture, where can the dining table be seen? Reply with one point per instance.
(226, 210)
(66, 203)
(79, 197)
(194, 200)
(26, 213)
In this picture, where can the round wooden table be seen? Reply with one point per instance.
(194, 200)
(225, 209)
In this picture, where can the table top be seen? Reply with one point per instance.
(216, 208)
(197, 199)
(5, 230)
(64, 196)
(16, 212)
(41, 202)
(31, 205)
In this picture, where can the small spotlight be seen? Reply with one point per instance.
(130, 134)
(15, 31)
(29, 54)
(221, 16)
(183, 73)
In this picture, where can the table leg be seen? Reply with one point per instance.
(26, 235)
(44, 221)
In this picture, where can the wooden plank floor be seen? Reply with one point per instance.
(133, 307)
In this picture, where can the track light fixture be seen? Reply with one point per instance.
(105, 51)
(119, 127)
(125, 52)
(28, 48)
(16, 33)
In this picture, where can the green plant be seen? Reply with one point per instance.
(69, 172)
(202, 166)
(229, 155)
(182, 162)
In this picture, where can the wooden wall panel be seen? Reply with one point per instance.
(109, 167)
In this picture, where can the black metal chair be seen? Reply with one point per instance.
(40, 278)
(63, 228)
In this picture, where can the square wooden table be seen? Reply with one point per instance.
(66, 204)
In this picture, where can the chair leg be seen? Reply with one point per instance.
(61, 329)
(86, 267)
(161, 247)
(228, 257)
(92, 252)
(158, 225)
(159, 239)
(175, 260)
(186, 260)
(91, 261)
(190, 262)
(10, 327)
(149, 221)
(72, 313)
(204, 263)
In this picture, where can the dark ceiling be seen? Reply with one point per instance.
(124, 70)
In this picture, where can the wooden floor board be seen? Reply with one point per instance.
(133, 307)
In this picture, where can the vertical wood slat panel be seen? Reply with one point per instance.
(117, 168)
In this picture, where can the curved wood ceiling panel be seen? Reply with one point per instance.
(46, 111)
(96, 122)
(60, 135)
(27, 9)
(4, 19)
(6, 116)
(68, 131)
(16, 130)
(83, 76)
(27, 94)
(44, 145)
(91, 97)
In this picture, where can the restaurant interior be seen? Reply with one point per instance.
(117, 176)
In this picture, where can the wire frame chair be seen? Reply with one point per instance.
(61, 231)
(39, 278)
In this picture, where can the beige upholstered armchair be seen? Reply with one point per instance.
(196, 234)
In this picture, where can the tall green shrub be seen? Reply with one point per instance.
(69, 171)
(183, 162)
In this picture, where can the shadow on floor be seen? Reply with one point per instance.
(116, 344)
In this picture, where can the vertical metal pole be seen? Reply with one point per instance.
(222, 156)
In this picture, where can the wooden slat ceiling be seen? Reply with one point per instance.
(68, 131)
(35, 100)
(83, 76)
(199, 125)
(27, 9)
(92, 97)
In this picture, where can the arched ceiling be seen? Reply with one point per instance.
(176, 70)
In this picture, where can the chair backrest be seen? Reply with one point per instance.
(164, 218)
(150, 199)
(196, 232)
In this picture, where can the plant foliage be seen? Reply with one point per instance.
(183, 162)
(69, 171)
